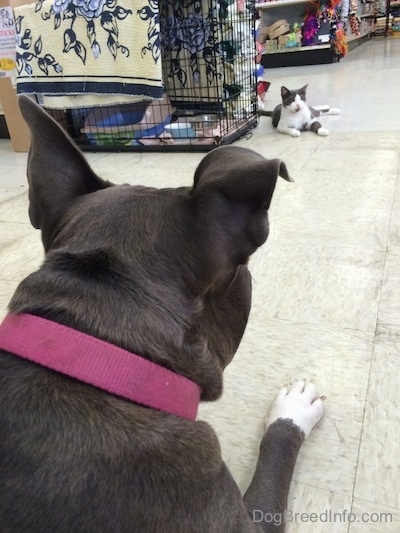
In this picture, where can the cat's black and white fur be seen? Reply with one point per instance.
(294, 115)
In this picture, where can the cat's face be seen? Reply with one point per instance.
(293, 101)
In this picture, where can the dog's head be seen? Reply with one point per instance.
(160, 272)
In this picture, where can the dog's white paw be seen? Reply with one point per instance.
(302, 404)
(323, 132)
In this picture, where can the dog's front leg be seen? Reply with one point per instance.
(293, 415)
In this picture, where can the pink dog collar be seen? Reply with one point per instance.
(99, 363)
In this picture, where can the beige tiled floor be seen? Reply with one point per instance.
(326, 288)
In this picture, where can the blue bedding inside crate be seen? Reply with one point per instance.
(125, 137)
(121, 116)
(124, 125)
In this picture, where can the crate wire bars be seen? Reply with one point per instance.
(209, 77)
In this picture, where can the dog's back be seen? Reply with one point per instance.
(161, 273)
(74, 459)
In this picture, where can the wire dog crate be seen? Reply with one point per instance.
(209, 78)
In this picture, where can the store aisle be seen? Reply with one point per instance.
(326, 288)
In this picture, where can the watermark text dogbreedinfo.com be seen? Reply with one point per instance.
(327, 517)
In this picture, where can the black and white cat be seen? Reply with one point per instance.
(294, 115)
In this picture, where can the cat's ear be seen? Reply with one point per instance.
(284, 91)
(303, 89)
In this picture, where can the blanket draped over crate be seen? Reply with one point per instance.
(102, 47)
(208, 53)
(191, 42)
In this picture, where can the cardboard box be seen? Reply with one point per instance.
(17, 128)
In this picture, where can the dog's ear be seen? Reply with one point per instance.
(57, 172)
(242, 175)
(232, 189)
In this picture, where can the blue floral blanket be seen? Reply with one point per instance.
(191, 34)
(71, 47)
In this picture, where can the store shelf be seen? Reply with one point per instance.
(279, 3)
(307, 55)
(303, 55)
(354, 41)
(298, 49)
(353, 38)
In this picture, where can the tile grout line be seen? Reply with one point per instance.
(373, 351)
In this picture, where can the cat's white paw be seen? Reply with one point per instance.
(293, 132)
(323, 132)
(334, 111)
(302, 404)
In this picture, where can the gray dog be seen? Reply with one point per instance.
(141, 302)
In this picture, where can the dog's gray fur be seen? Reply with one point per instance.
(161, 273)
